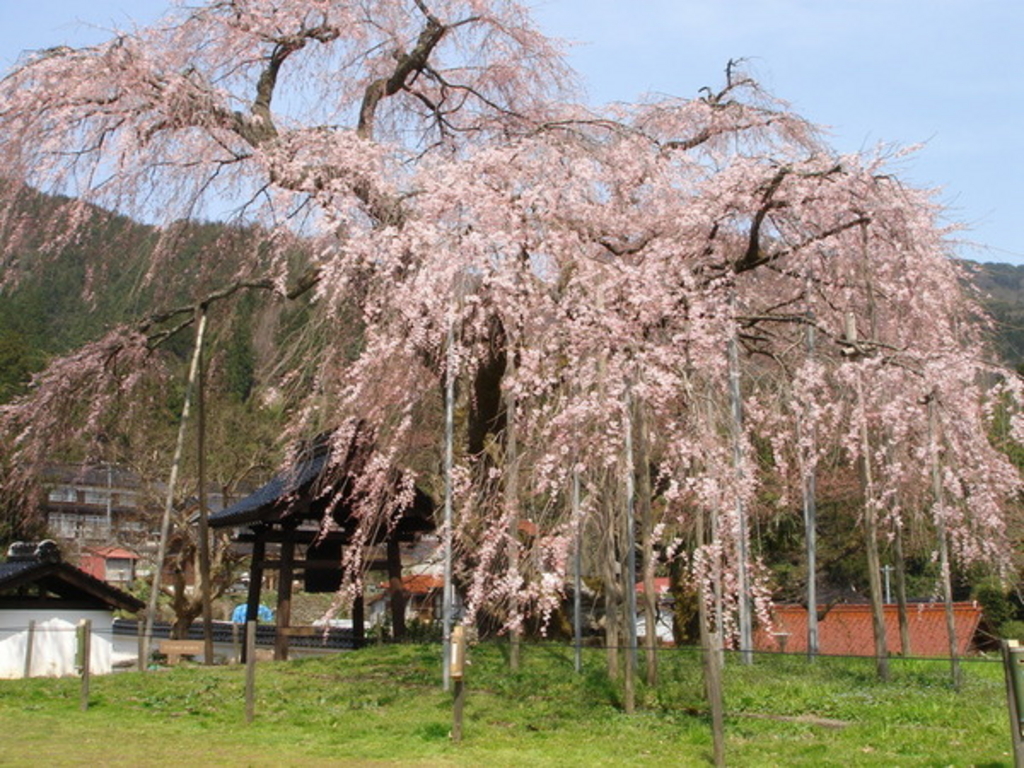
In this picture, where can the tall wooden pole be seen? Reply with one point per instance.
(711, 656)
(646, 513)
(165, 521)
(629, 580)
(204, 509)
(901, 590)
(512, 503)
(940, 525)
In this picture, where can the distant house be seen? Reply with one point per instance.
(44, 598)
(664, 607)
(97, 504)
(846, 629)
(114, 565)
(422, 592)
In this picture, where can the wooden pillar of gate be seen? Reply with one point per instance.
(286, 576)
(395, 588)
(252, 603)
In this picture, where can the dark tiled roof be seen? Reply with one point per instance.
(65, 581)
(272, 499)
(305, 492)
(9, 572)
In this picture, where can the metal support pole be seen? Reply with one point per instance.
(449, 438)
(742, 546)
(577, 565)
(1013, 665)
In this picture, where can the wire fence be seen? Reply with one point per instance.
(823, 684)
(345, 639)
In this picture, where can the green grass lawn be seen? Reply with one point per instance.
(384, 706)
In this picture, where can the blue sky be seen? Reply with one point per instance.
(948, 74)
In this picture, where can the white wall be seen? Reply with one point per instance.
(54, 642)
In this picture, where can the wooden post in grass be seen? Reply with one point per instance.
(250, 670)
(30, 638)
(140, 629)
(713, 688)
(84, 652)
(711, 657)
(457, 674)
(1013, 666)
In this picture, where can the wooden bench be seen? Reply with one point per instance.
(175, 649)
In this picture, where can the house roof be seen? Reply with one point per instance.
(43, 578)
(115, 553)
(421, 583)
(846, 630)
(98, 475)
(661, 586)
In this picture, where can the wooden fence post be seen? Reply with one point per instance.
(84, 653)
(457, 674)
(1013, 657)
(29, 642)
(140, 629)
(250, 671)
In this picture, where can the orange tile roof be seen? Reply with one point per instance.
(528, 528)
(846, 629)
(113, 552)
(661, 586)
(419, 584)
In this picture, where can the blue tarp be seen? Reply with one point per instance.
(262, 614)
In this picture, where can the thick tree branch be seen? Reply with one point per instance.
(407, 64)
(189, 311)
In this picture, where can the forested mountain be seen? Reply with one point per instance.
(1001, 288)
(54, 300)
(53, 303)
